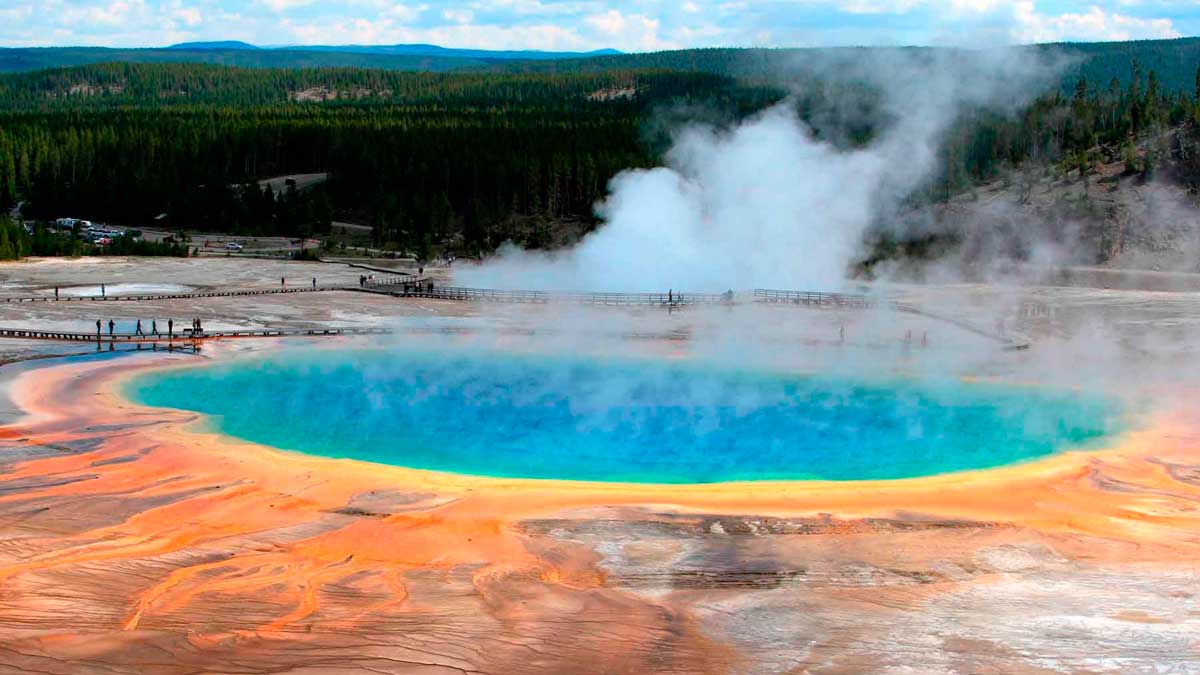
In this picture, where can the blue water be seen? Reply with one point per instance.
(498, 414)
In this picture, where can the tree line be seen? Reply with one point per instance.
(458, 162)
(427, 159)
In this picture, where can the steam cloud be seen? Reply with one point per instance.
(767, 203)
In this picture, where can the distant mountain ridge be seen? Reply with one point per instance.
(411, 57)
(453, 52)
(224, 44)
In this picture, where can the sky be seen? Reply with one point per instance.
(580, 25)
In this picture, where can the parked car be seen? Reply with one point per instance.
(234, 246)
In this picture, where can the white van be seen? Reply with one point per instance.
(234, 246)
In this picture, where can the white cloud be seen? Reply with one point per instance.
(880, 6)
(113, 14)
(1095, 24)
(361, 31)
(538, 8)
(188, 16)
(403, 13)
(461, 16)
(284, 5)
(15, 14)
(977, 6)
(636, 31)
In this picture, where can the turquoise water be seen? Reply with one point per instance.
(498, 414)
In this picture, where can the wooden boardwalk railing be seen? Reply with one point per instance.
(815, 299)
(850, 301)
(185, 336)
(408, 286)
(171, 296)
(426, 289)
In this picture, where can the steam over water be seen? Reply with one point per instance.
(498, 414)
(768, 202)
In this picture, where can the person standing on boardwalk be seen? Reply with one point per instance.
(97, 329)
(154, 326)
(111, 325)
(102, 292)
(170, 328)
(283, 282)
(138, 330)
(56, 292)
(314, 283)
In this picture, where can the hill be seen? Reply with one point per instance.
(1173, 61)
(107, 86)
(423, 158)
(1130, 207)
(447, 52)
(414, 57)
(40, 58)
(226, 44)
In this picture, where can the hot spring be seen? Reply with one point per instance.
(506, 415)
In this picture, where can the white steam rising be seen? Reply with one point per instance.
(766, 203)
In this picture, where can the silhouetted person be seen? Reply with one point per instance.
(171, 328)
(138, 329)
(56, 292)
(314, 282)
(111, 326)
(97, 329)
(282, 282)
(154, 326)
(671, 295)
(102, 293)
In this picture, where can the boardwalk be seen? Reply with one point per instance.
(172, 296)
(424, 289)
(185, 336)
(860, 302)
(815, 299)
(406, 286)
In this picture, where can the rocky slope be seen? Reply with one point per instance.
(1130, 209)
